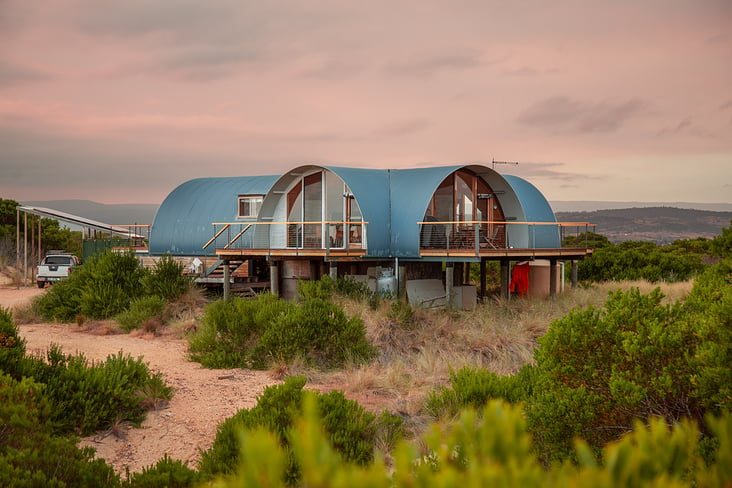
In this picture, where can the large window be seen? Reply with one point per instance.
(249, 206)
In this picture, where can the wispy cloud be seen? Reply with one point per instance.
(562, 112)
(13, 73)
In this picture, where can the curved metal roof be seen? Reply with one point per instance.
(182, 224)
(391, 201)
(535, 209)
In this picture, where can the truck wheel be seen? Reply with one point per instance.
(41, 284)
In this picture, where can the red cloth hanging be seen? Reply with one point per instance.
(520, 279)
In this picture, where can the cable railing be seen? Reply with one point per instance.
(477, 236)
(290, 235)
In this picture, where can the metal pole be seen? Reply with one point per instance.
(25, 249)
(17, 244)
(227, 278)
(449, 276)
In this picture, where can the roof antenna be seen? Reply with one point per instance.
(494, 162)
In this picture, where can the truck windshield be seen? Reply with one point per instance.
(58, 260)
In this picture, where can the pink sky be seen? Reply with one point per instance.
(120, 101)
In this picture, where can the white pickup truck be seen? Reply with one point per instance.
(56, 266)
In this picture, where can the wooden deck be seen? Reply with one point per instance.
(359, 254)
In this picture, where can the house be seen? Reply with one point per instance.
(368, 223)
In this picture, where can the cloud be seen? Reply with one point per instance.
(422, 65)
(578, 116)
(13, 74)
(403, 127)
(552, 171)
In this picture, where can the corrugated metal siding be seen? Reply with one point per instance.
(535, 209)
(182, 224)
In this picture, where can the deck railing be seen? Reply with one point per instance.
(481, 235)
(300, 235)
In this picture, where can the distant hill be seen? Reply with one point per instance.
(589, 206)
(117, 214)
(662, 225)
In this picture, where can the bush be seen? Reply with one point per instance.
(474, 388)
(317, 331)
(30, 455)
(103, 287)
(598, 371)
(230, 330)
(489, 448)
(254, 333)
(350, 429)
(141, 310)
(87, 397)
(636, 260)
(12, 346)
(167, 280)
(166, 473)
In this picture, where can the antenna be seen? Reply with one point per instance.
(494, 162)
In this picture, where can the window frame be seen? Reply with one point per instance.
(253, 198)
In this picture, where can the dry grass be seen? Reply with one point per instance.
(417, 355)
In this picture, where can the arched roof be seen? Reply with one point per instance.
(535, 208)
(182, 224)
(391, 201)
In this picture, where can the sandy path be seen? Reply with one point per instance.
(203, 398)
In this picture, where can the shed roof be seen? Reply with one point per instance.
(182, 224)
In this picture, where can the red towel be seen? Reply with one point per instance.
(520, 279)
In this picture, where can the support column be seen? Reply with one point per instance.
(574, 273)
(466, 278)
(402, 282)
(483, 278)
(553, 279)
(505, 280)
(333, 270)
(449, 277)
(25, 248)
(17, 246)
(227, 279)
(274, 278)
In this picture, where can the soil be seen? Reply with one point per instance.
(203, 398)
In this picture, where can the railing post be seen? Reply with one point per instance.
(449, 277)
(227, 279)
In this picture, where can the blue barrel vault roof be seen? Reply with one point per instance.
(182, 224)
(392, 201)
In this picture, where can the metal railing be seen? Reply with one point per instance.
(486, 235)
(299, 235)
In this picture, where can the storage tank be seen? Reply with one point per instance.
(539, 276)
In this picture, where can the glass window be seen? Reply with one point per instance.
(249, 206)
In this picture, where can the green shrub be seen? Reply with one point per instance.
(602, 369)
(489, 448)
(637, 260)
(87, 397)
(12, 346)
(254, 333)
(30, 455)
(350, 429)
(142, 309)
(167, 279)
(474, 388)
(166, 473)
(103, 287)
(317, 331)
(231, 329)
(710, 304)
(597, 371)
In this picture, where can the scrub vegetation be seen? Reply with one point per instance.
(615, 383)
